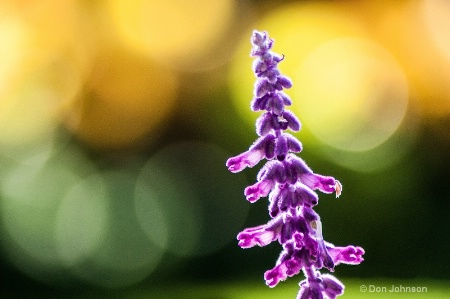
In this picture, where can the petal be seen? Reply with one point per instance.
(306, 240)
(247, 240)
(282, 271)
(351, 255)
(261, 148)
(310, 245)
(286, 232)
(326, 184)
(324, 257)
(259, 235)
(246, 159)
(298, 239)
(258, 190)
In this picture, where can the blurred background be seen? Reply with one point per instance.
(117, 117)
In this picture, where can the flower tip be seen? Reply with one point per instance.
(235, 164)
(258, 37)
(338, 188)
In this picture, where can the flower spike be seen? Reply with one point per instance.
(290, 186)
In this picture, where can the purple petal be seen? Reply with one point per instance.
(261, 238)
(351, 255)
(260, 235)
(267, 57)
(258, 190)
(326, 184)
(299, 240)
(303, 238)
(246, 159)
(282, 271)
(262, 147)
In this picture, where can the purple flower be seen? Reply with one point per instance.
(283, 270)
(324, 285)
(264, 147)
(351, 255)
(260, 235)
(269, 122)
(331, 286)
(290, 186)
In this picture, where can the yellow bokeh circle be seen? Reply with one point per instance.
(127, 97)
(351, 94)
(43, 62)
